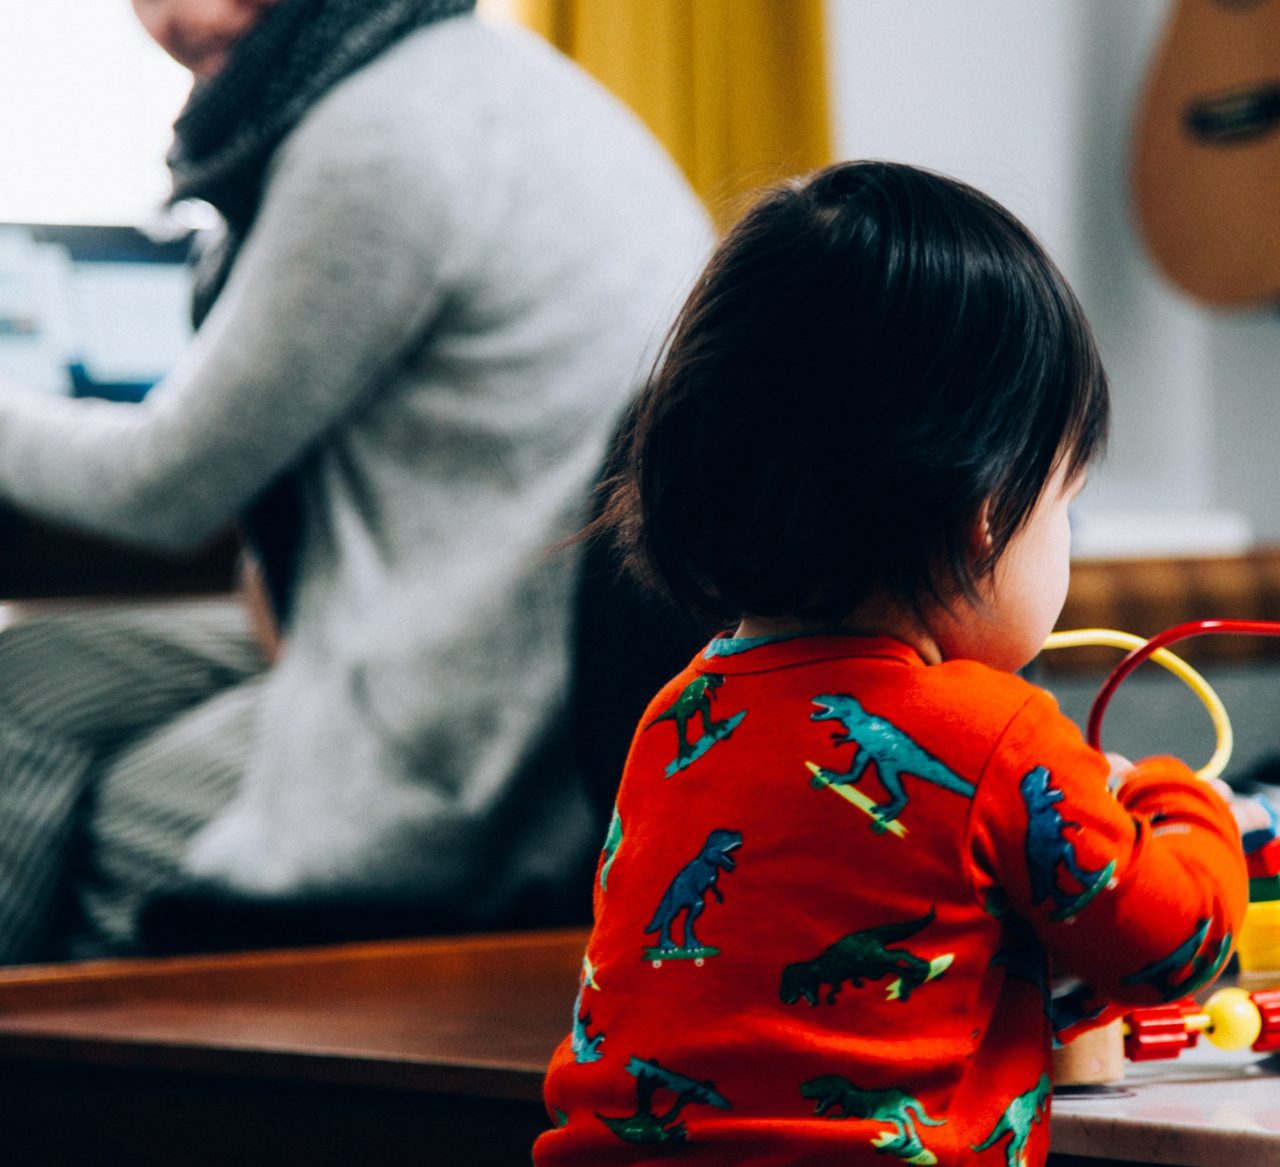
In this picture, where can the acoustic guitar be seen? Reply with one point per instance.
(1206, 157)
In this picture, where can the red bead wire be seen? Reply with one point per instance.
(1093, 729)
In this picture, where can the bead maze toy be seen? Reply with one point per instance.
(1232, 1018)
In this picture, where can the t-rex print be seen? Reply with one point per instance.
(695, 700)
(612, 841)
(860, 956)
(1048, 848)
(893, 752)
(647, 1128)
(1025, 1110)
(687, 893)
(831, 1092)
(1198, 968)
(585, 1044)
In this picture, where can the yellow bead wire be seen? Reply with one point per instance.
(1110, 638)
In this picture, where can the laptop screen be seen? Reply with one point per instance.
(91, 311)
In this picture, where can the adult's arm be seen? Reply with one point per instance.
(337, 280)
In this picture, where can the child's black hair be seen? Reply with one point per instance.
(873, 352)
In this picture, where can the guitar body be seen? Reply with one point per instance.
(1206, 165)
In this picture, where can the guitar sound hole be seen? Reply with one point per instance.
(1235, 117)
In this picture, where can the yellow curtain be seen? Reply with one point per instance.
(735, 89)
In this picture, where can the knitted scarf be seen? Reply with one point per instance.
(224, 140)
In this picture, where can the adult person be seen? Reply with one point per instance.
(446, 258)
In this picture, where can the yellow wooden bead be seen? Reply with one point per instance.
(1234, 1019)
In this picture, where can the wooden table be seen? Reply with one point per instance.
(418, 1052)
(422, 1052)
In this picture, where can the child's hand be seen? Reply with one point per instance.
(1255, 817)
(1258, 822)
(1120, 768)
(1223, 791)
(1253, 814)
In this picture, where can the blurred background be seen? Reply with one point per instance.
(1038, 104)
(1035, 104)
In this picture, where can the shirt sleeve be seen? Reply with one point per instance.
(337, 281)
(1138, 895)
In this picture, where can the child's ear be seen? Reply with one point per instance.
(980, 541)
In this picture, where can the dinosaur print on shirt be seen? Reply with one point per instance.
(612, 841)
(1187, 967)
(644, 1127)
(831, 1092)
(687, 894)
(848, 977)
(1048, 849)
(864, 956)
(586, 1045)
(878, 740)
(695, 701)
(1017, 1120)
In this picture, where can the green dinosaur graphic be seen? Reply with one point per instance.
(894, 753)
(831, 1092)
(864, 956)
(586, 1045)
(695, 700)
(687, 894)
(612, 841)
(647, 1128)
(1048, 848)
(1017, 1121)
(1199, 968)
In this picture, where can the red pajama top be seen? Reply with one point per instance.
(847, 899)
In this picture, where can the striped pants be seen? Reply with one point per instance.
(123, 730)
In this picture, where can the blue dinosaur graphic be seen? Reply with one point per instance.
(695, 700)
(1048, 848)
(894, 753)
(687, 894)
(585, 1044)
(1199, 968)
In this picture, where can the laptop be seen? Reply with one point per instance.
(91, 310)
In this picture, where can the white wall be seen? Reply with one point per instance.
(89, 102)
(1033, 102)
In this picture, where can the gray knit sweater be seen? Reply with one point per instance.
(464, 259)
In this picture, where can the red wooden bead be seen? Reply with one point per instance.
(1159, 1031)
(1268, 1003)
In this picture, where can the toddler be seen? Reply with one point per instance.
(851, 846)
